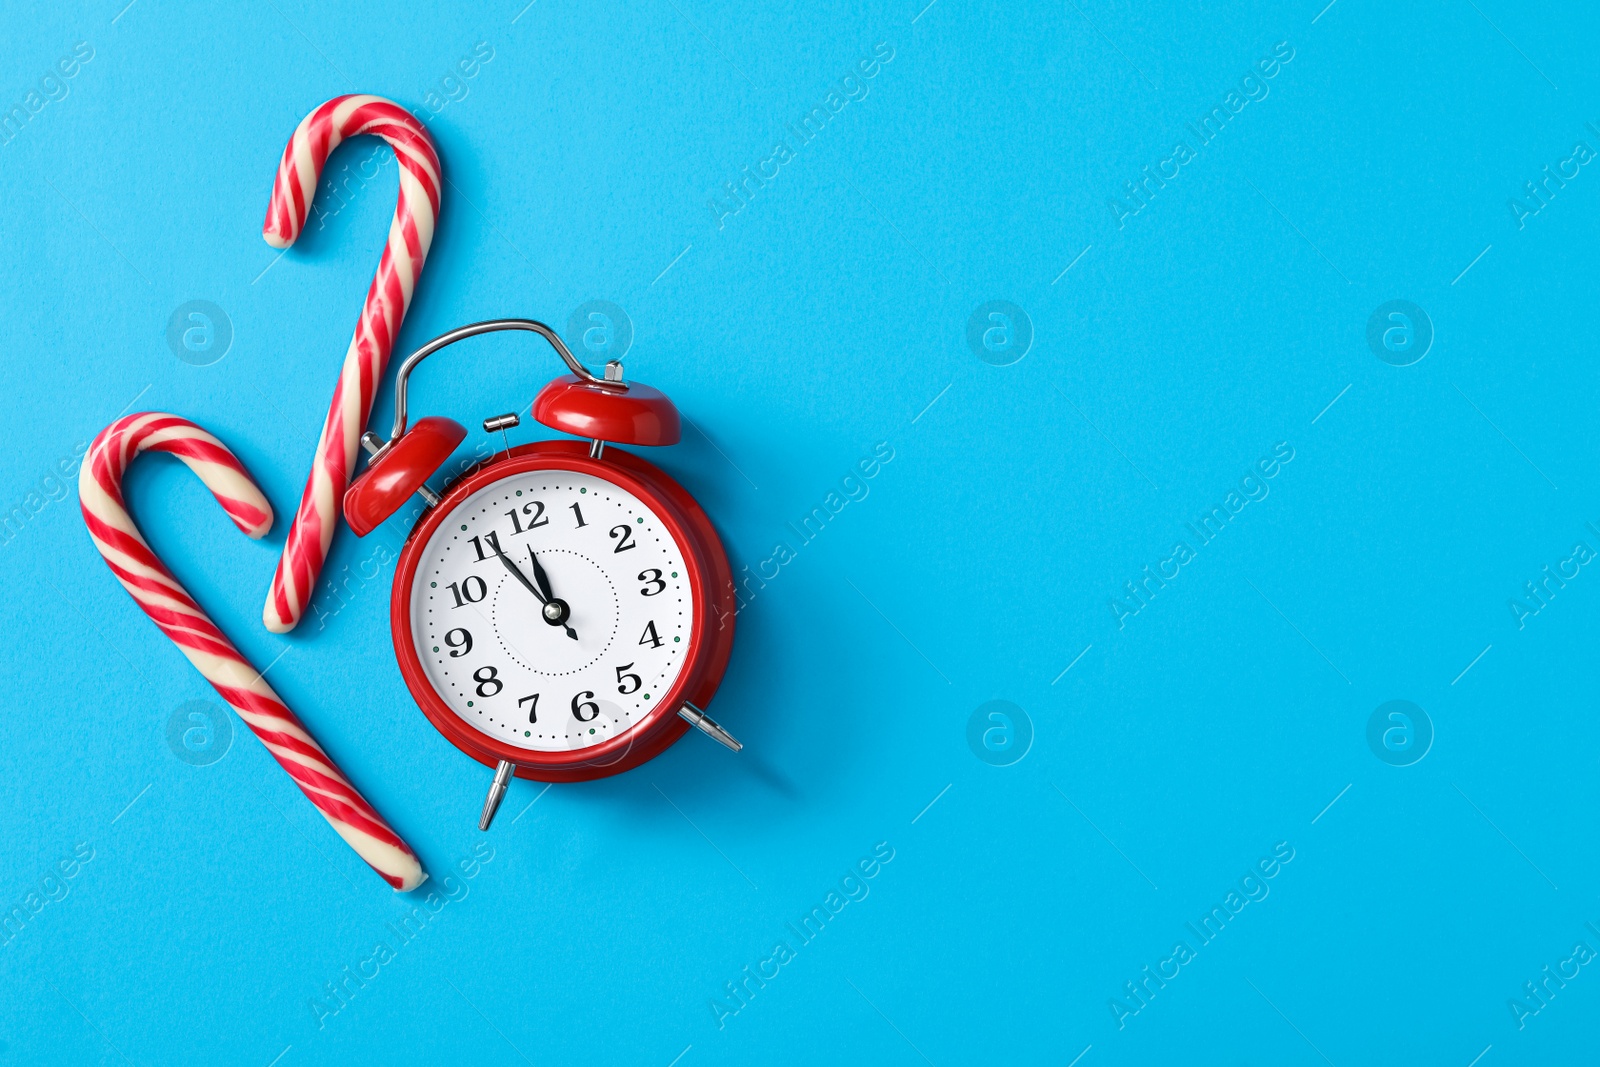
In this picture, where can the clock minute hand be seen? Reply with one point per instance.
(494, 542)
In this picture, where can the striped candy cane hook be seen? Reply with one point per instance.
(171, 608)
(387, 299)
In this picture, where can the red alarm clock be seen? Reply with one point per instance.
(564, 610)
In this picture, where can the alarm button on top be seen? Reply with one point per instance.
(639, 416)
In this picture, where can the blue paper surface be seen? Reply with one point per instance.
(1207, 677)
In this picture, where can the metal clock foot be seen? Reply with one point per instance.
(497, 792)
(706, 724)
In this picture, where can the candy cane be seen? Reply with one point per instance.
(387, 299)
(169, 605)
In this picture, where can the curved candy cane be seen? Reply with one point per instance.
(387, 299)
(169, 605)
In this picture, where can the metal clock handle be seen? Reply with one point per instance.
(612, 380)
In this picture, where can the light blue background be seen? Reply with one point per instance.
(823, 317)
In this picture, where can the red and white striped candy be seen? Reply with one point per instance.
(170, 606)
(387, 299)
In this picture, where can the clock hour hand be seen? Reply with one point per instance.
(551, 600)
(555, 612)
(540, 576)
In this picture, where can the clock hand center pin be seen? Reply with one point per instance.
(562, 610)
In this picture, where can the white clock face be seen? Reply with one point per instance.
(594, 663)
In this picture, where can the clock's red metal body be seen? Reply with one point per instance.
(711, 589)
(608, 411)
